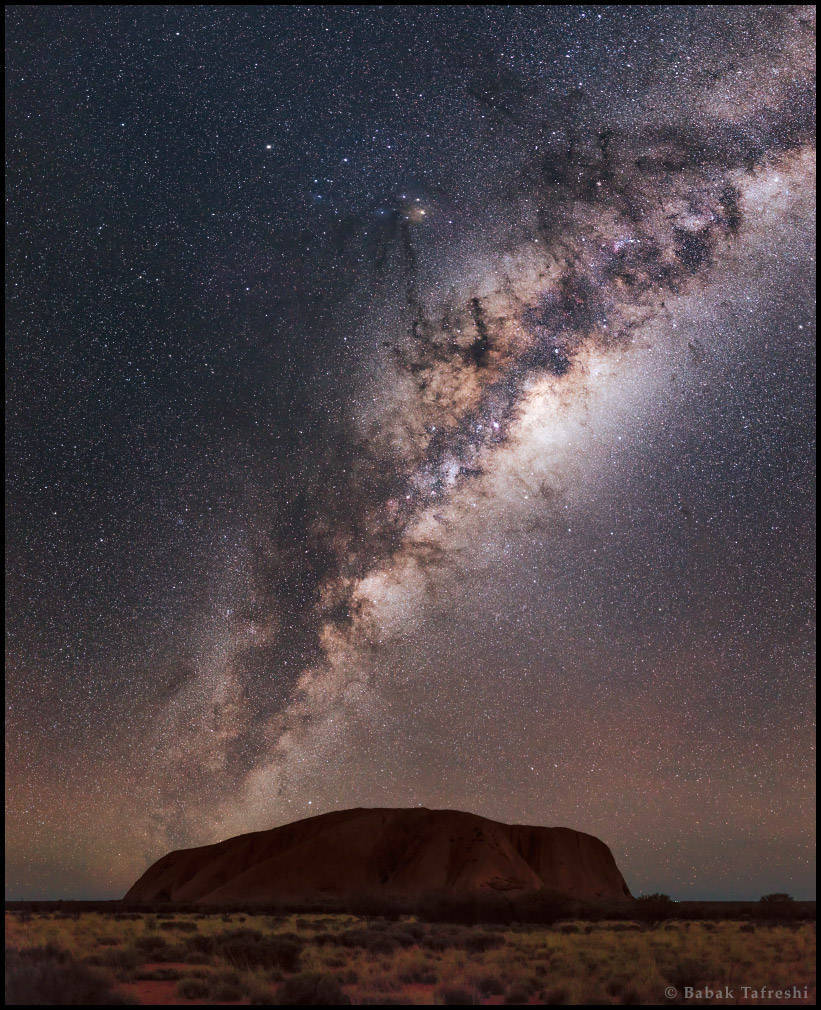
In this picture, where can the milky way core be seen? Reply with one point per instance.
(425, 426)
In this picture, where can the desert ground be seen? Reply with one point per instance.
(172, 958)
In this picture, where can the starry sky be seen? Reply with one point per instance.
(410, 406)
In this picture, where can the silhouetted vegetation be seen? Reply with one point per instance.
(654, 907)
(541, 907)
(778, 907)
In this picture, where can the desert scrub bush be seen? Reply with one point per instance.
(452, 994)
(488, 984)
(226, 992)
(248, 948)
(690, 971)
(181, 925)
(323, 937)
(226, 987)
(107, 941)
(518, 993)
(405, 935)
(156, 975)
(616, 983)
(461, 938)
(478, 943)
(375, 941)
(382, 982)
(414, 968)
(623, 989)
(150, 945)
(311, 989)
(258, 995)
(48, 976)
(442, 939)
(122, 959)
(193, 988)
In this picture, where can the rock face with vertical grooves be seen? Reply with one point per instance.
(403, 854)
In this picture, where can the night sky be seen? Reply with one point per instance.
(411, 406)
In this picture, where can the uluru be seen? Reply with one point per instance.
(401, 854)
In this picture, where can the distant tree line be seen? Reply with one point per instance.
(544, 907)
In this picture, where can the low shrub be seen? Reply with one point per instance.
(41, 976)
(490, 985)
(150, 945)
(375, 941)
(260, 996)
(312, 989)
(122, 959)
(417, 973)
(181, 925)
(689, 971)
(462, 938)
(156, 975)
(455, 995)
(517, 994)
(248, 948)
(478, 943)
(226, 992)
(193, 988)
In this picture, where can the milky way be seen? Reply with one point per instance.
(497, 494)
